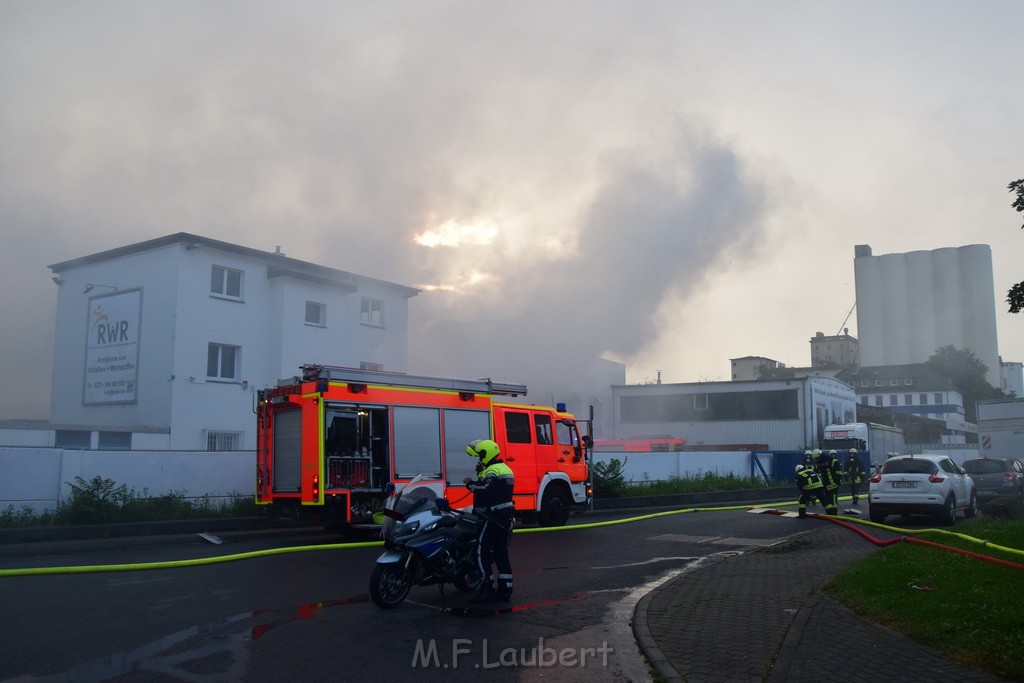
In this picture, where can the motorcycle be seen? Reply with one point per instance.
(426, 542)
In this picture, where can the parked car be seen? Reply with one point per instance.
(996, 477)
(922, 485)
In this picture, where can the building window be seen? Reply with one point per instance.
(114, 441)
(938, 398)
(376, 367)
(222, 361)
(223, 441)
(226, 282)
(908, 399)
(372, 312)
(700, 401)
(316, 314)
(878, 400)
(73, 439)
(894, 399)
(893, 382)
(924, 399)
(908, 381)
(879, 383)
(865, 383)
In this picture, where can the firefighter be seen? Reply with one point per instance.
(831, 473)
(855, 476)
(809, 484)
(492, 502)
(808, 458)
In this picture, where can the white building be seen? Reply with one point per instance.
(783, 414)
(161, 344)
(912, 389)
(909, 305)
(748, 367)
(1011, 377)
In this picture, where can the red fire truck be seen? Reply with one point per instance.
(330, 442)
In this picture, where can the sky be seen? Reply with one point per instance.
(667, 184)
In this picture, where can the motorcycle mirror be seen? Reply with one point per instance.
(442, 504)
(389, 487)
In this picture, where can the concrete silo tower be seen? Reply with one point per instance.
(909, 305)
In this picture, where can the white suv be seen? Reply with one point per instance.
(922, 485)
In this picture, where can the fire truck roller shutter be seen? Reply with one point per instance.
(287, 451)
(417, 440)
(461, 427)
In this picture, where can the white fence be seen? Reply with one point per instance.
(661, 466)
(37, 478)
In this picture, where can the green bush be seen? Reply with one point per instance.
(610, 482)
(609, 478)
(104, 501)
(97, 501)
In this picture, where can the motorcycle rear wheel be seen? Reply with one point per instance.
(389, 585)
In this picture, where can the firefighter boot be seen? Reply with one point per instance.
(504, 593)
(802, 513)
(485, 594)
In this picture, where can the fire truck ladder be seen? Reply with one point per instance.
(331, 373)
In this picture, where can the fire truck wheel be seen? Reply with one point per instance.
(554, 506)
(389, 585)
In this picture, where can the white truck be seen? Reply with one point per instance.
(1001, 428)
(864, 436)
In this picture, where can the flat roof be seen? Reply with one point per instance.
(280, 265)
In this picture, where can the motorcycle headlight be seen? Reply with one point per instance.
(406, 528)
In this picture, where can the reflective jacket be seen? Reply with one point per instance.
(492, 491)
(854, 471)
(831, 473)
(808, 480)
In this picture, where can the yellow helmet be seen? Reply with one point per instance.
(485, 449)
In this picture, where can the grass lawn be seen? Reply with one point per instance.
(971, 609)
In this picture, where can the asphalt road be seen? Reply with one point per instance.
(305, 614)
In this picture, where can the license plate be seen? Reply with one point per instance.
(904, 484)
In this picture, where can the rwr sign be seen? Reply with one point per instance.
(111, 333)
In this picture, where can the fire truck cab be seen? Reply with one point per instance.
(329, 444)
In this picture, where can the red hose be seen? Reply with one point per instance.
(919, 541)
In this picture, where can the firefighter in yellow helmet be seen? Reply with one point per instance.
(492, 502)
(831, 473)
(855, 475)
(808, 482)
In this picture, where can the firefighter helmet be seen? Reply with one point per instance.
(853, 451)
(817, 452)
(800, 468)
(485, 449)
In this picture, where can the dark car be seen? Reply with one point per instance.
(996, 477)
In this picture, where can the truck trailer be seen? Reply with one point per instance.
(876, 439)
(1001, 428)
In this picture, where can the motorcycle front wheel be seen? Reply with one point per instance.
(389, 585)
(468, 579)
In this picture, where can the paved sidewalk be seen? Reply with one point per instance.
(762, 616)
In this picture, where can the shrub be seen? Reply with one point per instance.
(97, 501)
(104, 501)
(609, 478)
